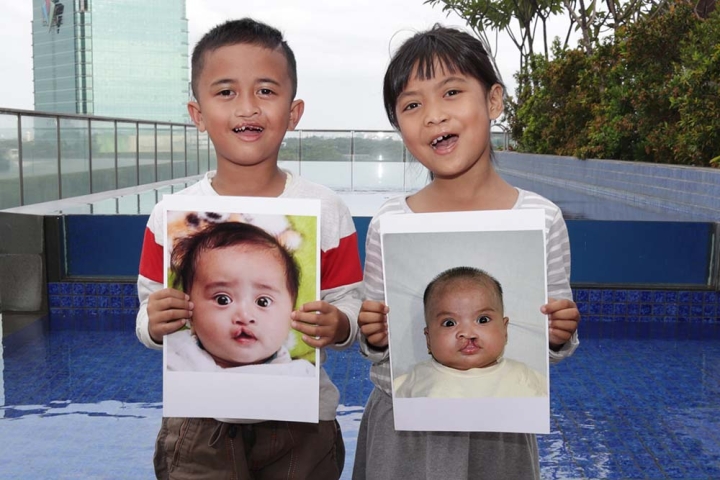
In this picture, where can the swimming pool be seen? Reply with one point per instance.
(82, 399)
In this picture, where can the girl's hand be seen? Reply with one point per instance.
(373, 323)
(563, 319)
(321, 324)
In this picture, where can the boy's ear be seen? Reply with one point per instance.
(196, 115)
(297, 107)
(495, 101)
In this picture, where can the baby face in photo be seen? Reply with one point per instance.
(465, 326)
(243, 285)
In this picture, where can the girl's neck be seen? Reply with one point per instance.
(260, 180)
(483, 191)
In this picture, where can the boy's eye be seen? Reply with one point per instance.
(483, 319)
(448, 322)
(225, 93)
(263, 301)
(411, 106)
(265, 91)
(223, 299)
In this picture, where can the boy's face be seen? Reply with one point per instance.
(465, 325)
(245, 103)
(445, 121)
(242, 306)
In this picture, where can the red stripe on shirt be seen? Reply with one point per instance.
(151, 258)
(340, 266)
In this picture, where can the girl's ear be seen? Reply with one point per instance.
(495, 101)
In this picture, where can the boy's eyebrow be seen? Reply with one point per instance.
(448, 312)
(261, 285)
(407, 93)
(230, 81)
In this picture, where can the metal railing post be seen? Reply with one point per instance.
(59, 156)
(21, 159)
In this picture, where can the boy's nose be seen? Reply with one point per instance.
(467, 333)
(242, 316)
(246, 107)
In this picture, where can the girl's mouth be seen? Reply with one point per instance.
(444, 141)
(244, 336)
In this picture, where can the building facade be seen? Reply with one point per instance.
(115, 58)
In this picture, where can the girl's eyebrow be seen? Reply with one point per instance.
(409, 93)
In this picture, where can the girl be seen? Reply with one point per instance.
(442, 91)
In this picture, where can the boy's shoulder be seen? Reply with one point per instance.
(330, 202)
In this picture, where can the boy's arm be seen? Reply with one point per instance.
(149, 280)
(558, 272)
(374, 287)
(340, 271)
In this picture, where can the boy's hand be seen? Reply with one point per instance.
(563, 318)
(373, 323)
(321, 324)
(168, 310)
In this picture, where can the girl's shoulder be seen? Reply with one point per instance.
(527, 199)
(392, 206)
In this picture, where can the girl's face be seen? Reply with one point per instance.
(465, 325)
(445, 121)
(242, 304)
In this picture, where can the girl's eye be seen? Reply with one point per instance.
(483, 319)
(223, 299)
(411, 106)
(452, 93)
(263, 301)
(448, 322)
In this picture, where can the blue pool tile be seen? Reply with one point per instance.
(696, 297)
(66, 301)
(607, 308)
(659, 297)
(595, 308)
(696, 310)
(607, 296)
(620, 309)
(53, 288)
(710, 297)
(54, 301)
(683, 297)
(646, 296)
(78, 288)
(621, 296)
(581, 295)
(671, 309)
(645, 309)
(65, 288)
(129, 302)
(709, 310)
(633, 309)
(102, 289)
(129, 289)
(658, 309)
(91, 288)
(633, 296)
(116, 302)
(115, 289)
(103, 302)
(78, 301)
(130, 312)
(595, 296)
(671, 297)
(91, 301)
(684, 310)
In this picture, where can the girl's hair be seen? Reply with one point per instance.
(454, 50)
(481, 277)
(187, 251)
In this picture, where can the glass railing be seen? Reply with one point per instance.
(46, 157)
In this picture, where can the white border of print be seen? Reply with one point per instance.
(237, 395)
(526, 415)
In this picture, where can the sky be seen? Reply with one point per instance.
(342, 49)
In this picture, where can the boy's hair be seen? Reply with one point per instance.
(243, 31)
(187, 251)
(454, 50)
(464, 273)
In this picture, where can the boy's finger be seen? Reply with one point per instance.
(373, 329)
(564, 325)
(373, 306)
(370, 318)
(316, 306)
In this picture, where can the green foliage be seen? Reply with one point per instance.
(650, 93)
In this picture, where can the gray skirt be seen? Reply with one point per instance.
(383, 453)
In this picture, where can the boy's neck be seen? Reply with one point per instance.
(262, 180)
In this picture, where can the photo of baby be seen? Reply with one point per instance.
(468, 343)
(245, 266)
(244, 286)
(466, 333)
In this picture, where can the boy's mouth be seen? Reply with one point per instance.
(243, 335)
(444, 141)
(248, 128)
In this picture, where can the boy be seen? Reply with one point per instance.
(466, 334)
(243, 284)
(244, 81)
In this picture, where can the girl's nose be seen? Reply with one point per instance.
(434, 114)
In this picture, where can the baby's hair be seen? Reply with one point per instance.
(187, 251)
(244, 31)
(454, 50)
(473, 274)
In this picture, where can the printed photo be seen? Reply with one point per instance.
(246, 264)
(468, 343)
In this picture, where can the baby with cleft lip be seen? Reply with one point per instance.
(466, 334)
(243, 284)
